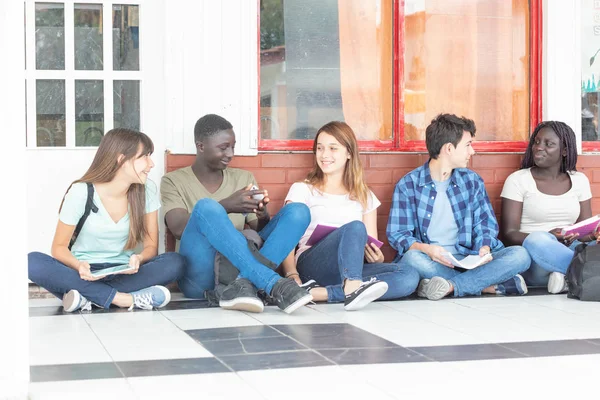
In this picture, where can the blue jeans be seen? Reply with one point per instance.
(58, 279)
(209, 230)
(507, 263)
(340, 256)
(547, 255)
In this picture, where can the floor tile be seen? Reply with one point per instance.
(171, 367)
(46, 311)
(373, 356)
(219, 386)
(101, 389)
(304, 315)
(554, 348)
(292, 359)
(71, 372)
(209, 318)
(238, 332)
(467, 352)
(333, 336)
(252, 346)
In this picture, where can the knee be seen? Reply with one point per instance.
(414, 259)
(207, 206)
(35, 262)
(410, 277)
(356, 228)
(535, 239)
(176, 264)
(520, 258)
(297, 214)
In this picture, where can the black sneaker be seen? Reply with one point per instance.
(241, 295)
(310, 285)
(366, 293)
(289, 296)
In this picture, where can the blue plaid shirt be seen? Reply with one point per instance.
(412, 206)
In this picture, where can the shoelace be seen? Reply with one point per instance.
(143, 301)
(365, 283)
(87, 306)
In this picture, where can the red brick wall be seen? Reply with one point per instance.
(276, 173)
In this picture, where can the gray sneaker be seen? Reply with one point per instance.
(73, 301)
(434, 288)
(289, 296)
(241, 295)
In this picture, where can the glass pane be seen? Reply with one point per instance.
(324, 60)
(89, 112)
(50, 109)
(49, 36)
(126, 104)
(590, 69)
(480, 70)
(88, 36)
(126, 39)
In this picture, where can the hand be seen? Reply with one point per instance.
(85, 271)
(483, 251)
(436, 253)
(373, 253)
(241, 202)
(567, 240)
(295, 276)
(134, 261)
(261, 211)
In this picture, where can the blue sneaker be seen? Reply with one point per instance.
(73, 301)
(515, 285)
(152, 297)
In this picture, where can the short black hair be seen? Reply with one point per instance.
(446, 128)
(567, 140)
(210, 125)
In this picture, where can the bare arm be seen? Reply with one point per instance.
(373, 253)
(60, 245)
(511, 222)
(176, 220)
(151, 238)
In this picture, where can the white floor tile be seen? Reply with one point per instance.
(100, 389)
(45, 302)
(303, 315)
(321, 382)
(64, 339)
(201, 386)
(209, 318)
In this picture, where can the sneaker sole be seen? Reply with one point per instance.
(420, 289)
(368, 296)
(167, 294)
(556, 283)
(523, 285)
(70, 300)
(249, 304)
(436, 289)
(302, 301)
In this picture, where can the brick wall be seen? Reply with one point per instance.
(276, 173)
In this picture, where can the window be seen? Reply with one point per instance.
(84, 82)
(387, 67)
(590, 79)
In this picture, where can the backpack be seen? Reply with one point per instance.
(89, 207)
(583, 274)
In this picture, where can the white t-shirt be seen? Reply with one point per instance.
(327, 209)
(544, 212)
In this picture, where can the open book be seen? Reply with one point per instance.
(469, 262)
(583, 228)
(323, 230)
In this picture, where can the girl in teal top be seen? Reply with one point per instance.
(121, 229)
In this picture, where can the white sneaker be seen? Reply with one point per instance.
(73, 301)
(557, 283)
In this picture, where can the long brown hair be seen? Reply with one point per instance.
(106, 163)
(353, 171)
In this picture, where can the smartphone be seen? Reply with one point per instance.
(257, 196)
(111, 270)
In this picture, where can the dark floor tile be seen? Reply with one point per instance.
(239, 332)
(554, 348)
(180, 366)
(47, 311)
(467, 352)
(333, 336)
(373, 356)
(292, 359)
(252, 346)
(185, 305)
(73, 372)
(594, 341)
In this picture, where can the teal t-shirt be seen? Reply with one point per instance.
(101, 240)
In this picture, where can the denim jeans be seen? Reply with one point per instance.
(209, 230)
(507, 263)
(340, 256)
(547, 255)
(58, 279)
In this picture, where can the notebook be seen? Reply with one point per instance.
(469, 262)
(583, 228)
(111, 270)
(323, 230)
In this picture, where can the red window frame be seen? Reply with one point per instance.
(398, 143)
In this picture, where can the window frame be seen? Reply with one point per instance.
(107, 75)
(398, 143)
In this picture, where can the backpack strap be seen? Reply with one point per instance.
(89, 207)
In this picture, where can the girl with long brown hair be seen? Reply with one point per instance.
(345, 266)
(121, 205)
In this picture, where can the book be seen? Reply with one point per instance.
(321, 231)
(583, 228)
(469, 262)
(111, 270)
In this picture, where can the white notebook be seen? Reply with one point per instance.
(469, 262)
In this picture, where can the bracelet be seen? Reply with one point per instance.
(291, 274)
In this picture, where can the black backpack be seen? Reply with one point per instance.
(583, 275)
(89, 207)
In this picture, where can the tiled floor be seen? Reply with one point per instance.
(535, 346)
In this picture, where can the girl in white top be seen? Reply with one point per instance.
(544, 196)
(343, 266)
(124, 214)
